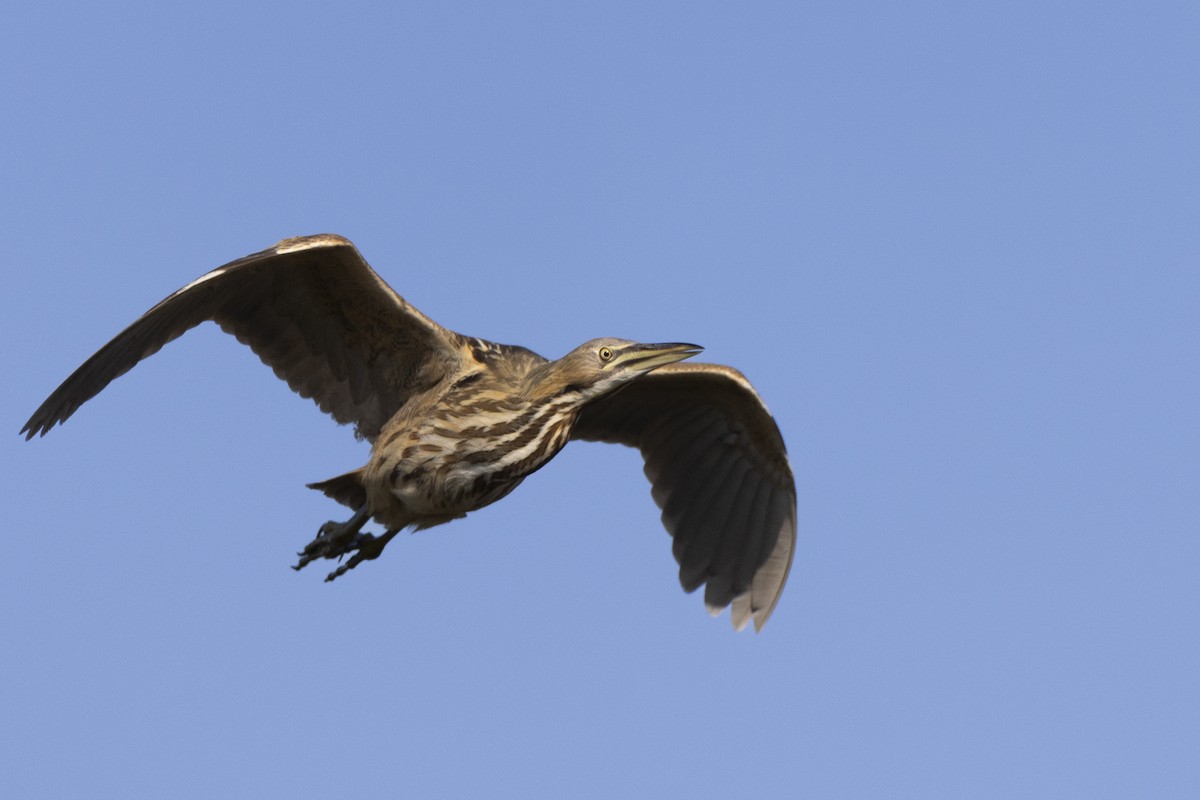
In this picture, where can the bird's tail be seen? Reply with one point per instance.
(346, 489)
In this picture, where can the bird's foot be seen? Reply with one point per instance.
(334, 540)
(365, 547)
(340, 539)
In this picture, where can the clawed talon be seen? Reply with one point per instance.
(333, 540)
(366, 547)
(340, 539)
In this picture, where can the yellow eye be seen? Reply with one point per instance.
(605, 354)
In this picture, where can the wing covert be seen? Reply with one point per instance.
(313, 310)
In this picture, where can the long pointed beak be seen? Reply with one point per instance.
(645, 357)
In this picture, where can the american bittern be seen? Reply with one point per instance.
(457, 423)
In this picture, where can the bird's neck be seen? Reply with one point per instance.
(546, 383)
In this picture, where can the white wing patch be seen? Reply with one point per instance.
(309, 242)
(206, 277)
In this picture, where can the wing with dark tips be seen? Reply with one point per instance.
(313, 310)
(719, 470)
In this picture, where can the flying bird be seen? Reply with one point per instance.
(456, 423)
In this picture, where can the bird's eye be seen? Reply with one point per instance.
(605, 354)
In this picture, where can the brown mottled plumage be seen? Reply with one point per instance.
(457, 423)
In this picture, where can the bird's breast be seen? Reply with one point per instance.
(468, 456)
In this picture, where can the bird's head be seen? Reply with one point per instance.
(601, 365)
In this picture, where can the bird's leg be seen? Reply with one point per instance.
(366, 547)
(335, 539)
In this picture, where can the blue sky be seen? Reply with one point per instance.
(954, 245)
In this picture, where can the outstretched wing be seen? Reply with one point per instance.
(719, 471)
(313, 310)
